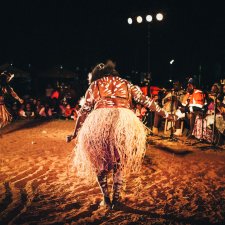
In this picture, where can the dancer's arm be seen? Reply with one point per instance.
(14, 95)
(144, 100)
(84, 111)
(79, 121)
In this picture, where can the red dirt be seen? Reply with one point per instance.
(178, 184)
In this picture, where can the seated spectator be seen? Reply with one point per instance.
(21, 112)
(54, 104)
(140, 111)
(15, 111)
(62, 108)
(171, 101)
(68, 112)
(26, 112)
(45, 111)
(37, 107)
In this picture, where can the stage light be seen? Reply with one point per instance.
(139, 19)
(159, 16)
(170, 81)
(149, 18)
(129, 20)
(172, 61)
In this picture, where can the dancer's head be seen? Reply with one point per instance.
(5, 78)
(191, 85)
(216, 88)
(176, 85)
(102, 70)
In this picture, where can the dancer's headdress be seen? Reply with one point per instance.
(102, 70)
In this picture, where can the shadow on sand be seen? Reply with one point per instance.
(178, 152)
(22, 124)
(171, 218)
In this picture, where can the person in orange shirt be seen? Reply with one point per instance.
(194, 101)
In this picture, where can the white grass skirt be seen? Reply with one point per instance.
(107, 137)
(5, 116)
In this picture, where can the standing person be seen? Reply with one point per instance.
(5, 116)
(110, 137)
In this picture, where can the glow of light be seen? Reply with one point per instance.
(149, 18)
(159, 16)
(172, 61)
(139, 19)
(170, 81)
(130, 21)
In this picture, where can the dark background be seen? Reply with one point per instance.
(45, 33)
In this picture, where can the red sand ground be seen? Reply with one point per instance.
(177, 185)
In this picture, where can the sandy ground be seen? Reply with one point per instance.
(178, 184)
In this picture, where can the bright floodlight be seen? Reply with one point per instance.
(172, 61)
(159, 16)
(130, 21)
(149, 18)
(139, 19)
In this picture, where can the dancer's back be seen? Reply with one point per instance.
(114, 92)
(111, 92)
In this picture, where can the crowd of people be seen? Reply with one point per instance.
(200, 113)
(46, 108)
(57, 103)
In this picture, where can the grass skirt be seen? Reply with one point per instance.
(5, 116)
(108, 137)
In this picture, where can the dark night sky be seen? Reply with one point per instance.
(81, 33)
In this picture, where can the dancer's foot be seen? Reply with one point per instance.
(106, 202)
(115, 204)
(190, 137)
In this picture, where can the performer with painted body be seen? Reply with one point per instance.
(5, 116)
(110, 137)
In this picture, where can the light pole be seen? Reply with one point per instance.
(149, 18)
(171, 70)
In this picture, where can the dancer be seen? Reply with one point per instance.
(110, 137)
(5, 116)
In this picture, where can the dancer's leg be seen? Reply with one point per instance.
(102, 180)
(117, 184)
